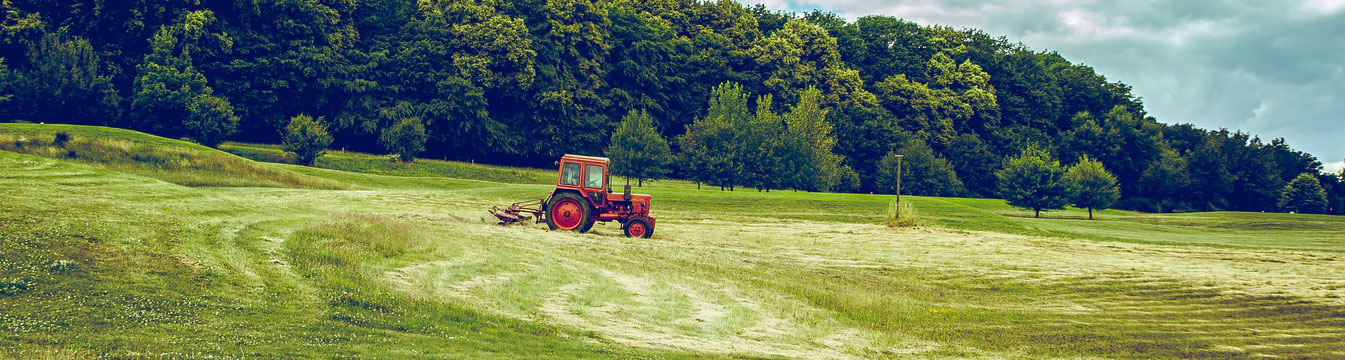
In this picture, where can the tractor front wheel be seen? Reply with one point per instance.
(638, 227)
(568, 212)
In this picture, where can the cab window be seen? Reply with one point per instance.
(593, 177)
(569, 174)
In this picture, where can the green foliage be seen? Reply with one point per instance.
(637, 151)
(1304, 195)
(713, 146)
(808, 134)
(974, 164)
(406, 138)
(1033, 181)
(957, 99)
(210, 120)
(306, 139)
(65, 82)
(16, 25)
(802, 55)
(765, 150)
(171, 96)
(923, 172)
(5, 93)
(1091, 186)
(1165, 180)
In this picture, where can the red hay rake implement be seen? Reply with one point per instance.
(519, 212)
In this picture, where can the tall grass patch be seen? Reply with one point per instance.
(343, 257)
(901, 214)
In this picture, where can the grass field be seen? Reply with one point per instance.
(126, 257)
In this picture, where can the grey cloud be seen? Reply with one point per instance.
(1272, 68)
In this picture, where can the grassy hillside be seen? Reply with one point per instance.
(98, 262)
(383, 165)
(133, 152)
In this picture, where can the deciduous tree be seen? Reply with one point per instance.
(1033, 181)
(1304, 195)
(1091, 186)
(637, 150)
(64, 82)
(810, 140)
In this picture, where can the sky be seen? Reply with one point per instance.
(1273, 68)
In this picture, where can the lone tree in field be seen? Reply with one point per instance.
(1091, 186)
(306, 139)
(406, 138)
(1033, 181)
(637, 150)
(1304, 195)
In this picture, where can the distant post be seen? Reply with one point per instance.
(898, 185)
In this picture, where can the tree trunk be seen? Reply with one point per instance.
(641, 181)
(1090, 213)
(698, 185)
(1038, 213)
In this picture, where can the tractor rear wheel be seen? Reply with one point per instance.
(638, 227)
(568, 212)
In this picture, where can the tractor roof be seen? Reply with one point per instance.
(585, 158)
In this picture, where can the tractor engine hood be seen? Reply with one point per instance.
(633, 197)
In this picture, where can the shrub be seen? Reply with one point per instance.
(406, 138)
(306, 139)
(60, 139)
(210, 120)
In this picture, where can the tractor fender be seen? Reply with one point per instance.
(557, 192)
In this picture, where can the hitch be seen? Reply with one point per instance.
(519, 212)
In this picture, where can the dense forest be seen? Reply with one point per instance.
(521, 82)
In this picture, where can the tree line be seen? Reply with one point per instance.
(522, 82)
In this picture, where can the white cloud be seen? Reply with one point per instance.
(1325, 7)
(1334, 167)
(1089, 26)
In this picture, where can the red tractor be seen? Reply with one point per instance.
(582, 197)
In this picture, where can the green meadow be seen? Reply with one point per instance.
(119, 244)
